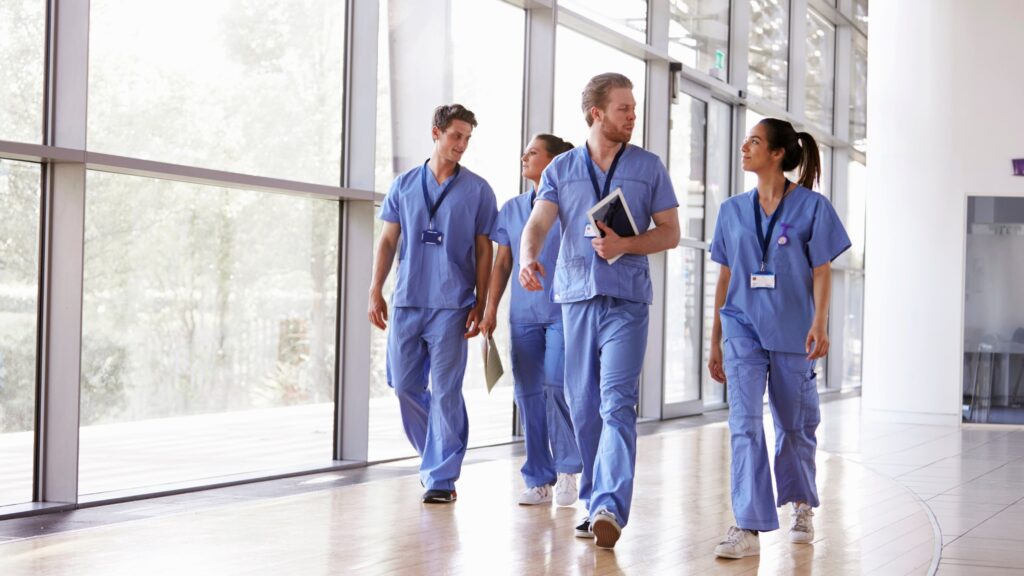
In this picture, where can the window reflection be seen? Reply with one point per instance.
(19, 285)
(769, 50)
(22, 43)
(699, 35)
(821, 43)
(628, 17)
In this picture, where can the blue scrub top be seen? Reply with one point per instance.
(781, 317)
(442, 276)
(581, 274)
(528, 307)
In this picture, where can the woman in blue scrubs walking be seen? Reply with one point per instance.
(538, 344)
(775, 245)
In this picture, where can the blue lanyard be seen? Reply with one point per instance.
(611, 171)
(533, 198)
(764, 238)
(432, 208)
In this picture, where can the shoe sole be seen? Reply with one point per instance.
(440, 500)
(736, 556)
(606, 533)
(587, 535)
(801, 539)
(565, 503)
(521, 503)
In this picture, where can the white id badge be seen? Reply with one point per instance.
(589, 232)
(762, 280)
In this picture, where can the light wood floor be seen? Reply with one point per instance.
(868, 523)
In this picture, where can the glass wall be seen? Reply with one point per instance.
(22, 45)
(208, 328)
(577, 60)
(699, 35)
(859, 97)
(490, 83)
(19, 286)
(256, 87)
(769, 50)
(993, 385)
(627, 17)
(821, 65)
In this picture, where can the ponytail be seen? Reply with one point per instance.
(553, 144)
(800, 150)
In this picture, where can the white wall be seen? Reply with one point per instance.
(945, 116)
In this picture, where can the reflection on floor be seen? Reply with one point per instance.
(369, 521)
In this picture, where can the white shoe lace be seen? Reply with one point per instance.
(802, 518)
(734, 536)
(565, 483)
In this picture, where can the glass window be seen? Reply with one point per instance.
(860, 13)
(769, 50)
(825, 184)
(853, 329)
(577, 60)
(627, 17)
(684, 274)
(490, 83)
(699, 35)
(856, 211)
(238, 85)
(720, 152)
(993, 374)
(859, 98)
(821, 60)
(19, 285)
(749, 178)
(208, 332)
(22, 45)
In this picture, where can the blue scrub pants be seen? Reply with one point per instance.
(605, 344)
(424, 341)
(793, 396)
(538, 366)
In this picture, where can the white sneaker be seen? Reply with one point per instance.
(606, 529)
(738, 543)
(535, 495)
(565, 490)
(802, 529)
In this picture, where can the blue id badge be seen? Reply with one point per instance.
(762, 280)
(432, 237)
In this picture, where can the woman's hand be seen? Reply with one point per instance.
(489, 322)
(817, 341)
(715, 366)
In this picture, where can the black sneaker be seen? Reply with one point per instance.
(439, 496)
(583, 530)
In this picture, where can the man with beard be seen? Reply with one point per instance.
(604, 305)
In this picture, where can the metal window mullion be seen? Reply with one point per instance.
(797, 83)
(539, 72)
(657, 116)
(61, 262)
(356, 219)
(843, 86)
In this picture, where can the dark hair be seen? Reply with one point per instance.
(553, 144)
(595, 94)
(800, 150)
(446, 113)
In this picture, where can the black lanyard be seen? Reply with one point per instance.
(611, 171)
(763, 237)
(432, 208)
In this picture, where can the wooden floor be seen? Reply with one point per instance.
(869, 523)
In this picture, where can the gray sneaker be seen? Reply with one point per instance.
(606, 529)
(802, 529)
(738, 543)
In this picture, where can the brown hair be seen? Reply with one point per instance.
(446, 113)
(799, 147)
(595, 95)
(553, 144)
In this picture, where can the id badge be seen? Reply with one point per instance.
(589, 232)
(432, 237)
(762, 280)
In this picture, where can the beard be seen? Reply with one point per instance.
(616, 134)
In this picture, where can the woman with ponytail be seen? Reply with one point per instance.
(775, 245)
(538, 344)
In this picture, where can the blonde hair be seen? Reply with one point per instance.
(595, 95)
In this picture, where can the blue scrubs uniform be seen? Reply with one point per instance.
(763, 337)
(605, 315)
(538, 357)
(433, 296)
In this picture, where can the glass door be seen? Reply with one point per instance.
(699, 163)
